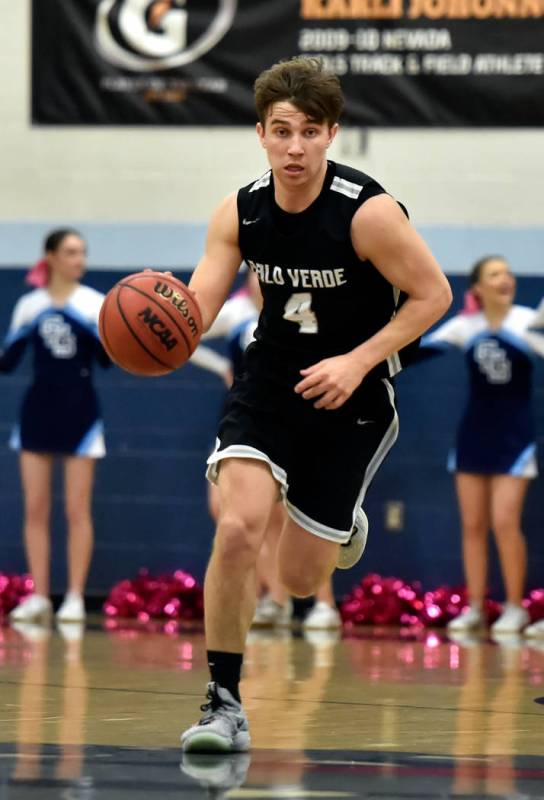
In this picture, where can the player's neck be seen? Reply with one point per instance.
(294, 199)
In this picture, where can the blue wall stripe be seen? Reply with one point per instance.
(130, 246)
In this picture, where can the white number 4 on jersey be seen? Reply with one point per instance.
(299, 309)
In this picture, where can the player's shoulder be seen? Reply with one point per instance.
(350, 189)
(351, 182)
(257, 184)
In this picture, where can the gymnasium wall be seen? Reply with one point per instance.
(469, 178)
(141, 197)
(150, 498)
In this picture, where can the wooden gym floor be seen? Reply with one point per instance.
(96, 715)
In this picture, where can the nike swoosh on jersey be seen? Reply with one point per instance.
(364, 421)
(249, 221)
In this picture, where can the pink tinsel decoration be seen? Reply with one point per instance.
(535, 604)
(382, 601)
(392, 601)
(176, 596)
(13, 589)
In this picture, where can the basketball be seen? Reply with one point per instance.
(150, 323)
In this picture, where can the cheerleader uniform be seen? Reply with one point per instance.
(496, 433)
(60, 413)
(236, 322)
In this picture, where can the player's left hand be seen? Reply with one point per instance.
(332, 380)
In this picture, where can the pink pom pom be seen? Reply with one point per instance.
(381, 601)
(173, 596)
(13, 589)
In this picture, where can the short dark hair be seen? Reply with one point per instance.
(304, 82)
(54, 239)
(476, 272)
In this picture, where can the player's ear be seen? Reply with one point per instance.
(333, 130)
(260, 133)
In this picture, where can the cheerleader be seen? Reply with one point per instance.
(60, 416)
(495, 454)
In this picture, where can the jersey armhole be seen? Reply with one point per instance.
(373, 188)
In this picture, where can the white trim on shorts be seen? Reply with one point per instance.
(317, 528)
(384, 447)
(244, 451)
(309, 524)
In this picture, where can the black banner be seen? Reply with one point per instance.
(193, 62)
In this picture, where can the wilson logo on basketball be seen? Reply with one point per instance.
(157, 326)
(179, 302)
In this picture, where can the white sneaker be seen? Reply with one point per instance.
(350, 552)
(467, 620)
(322, 616)
(72, 609)
(34, 608)
(536, 629)
(270, 614)
(512, 620)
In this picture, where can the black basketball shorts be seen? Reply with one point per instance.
(323, 460)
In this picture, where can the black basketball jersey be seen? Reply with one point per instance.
(320, 299)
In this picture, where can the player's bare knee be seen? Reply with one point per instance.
(300, 581)
(238, 540)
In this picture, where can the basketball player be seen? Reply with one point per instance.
(236, 322)
(60, 415)
(347, 285)
(495, 454)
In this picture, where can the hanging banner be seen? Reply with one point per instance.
(193, 62)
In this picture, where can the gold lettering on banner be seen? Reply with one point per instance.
(475, 9)
(351, 9)
(431, 9)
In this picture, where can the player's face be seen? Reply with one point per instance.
(496, 285)
(296, 146)
(68, 260)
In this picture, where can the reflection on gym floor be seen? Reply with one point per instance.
(96, 714)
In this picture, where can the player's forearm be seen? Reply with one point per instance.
(211, 287)
(209, 299)
(414, 318)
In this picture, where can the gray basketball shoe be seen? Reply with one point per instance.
(350, 552)
(222, 729)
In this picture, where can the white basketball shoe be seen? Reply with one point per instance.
(350, 552)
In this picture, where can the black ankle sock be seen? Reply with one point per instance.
(225, 669)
